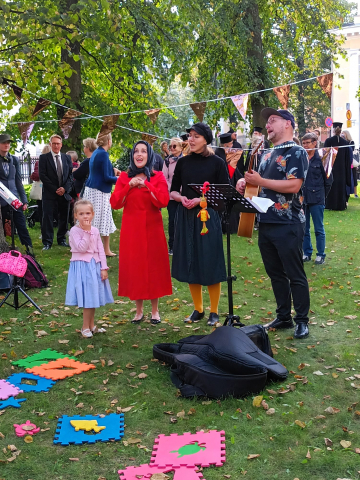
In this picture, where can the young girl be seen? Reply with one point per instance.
(88, 286)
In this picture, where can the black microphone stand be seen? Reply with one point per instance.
(16, 287)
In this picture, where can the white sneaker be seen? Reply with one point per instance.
(319, 260)
(306, 258)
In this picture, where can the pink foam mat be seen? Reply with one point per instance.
(174, 450)
(8, 390)
(144, 472)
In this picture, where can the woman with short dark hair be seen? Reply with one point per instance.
(198, 259)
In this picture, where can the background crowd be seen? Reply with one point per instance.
(154, 181)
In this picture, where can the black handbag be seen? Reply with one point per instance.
(225, 362)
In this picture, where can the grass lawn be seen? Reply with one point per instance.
(324, 372)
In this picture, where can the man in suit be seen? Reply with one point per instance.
(10, 176)
(55, 171)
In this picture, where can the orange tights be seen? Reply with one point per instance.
(214, 293)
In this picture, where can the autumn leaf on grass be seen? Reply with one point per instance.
(78, 352)
(300, 423)
(332, 410)
(328, 442)
(257, 401)
(181, 414)
(129, 365)
(142, 375)
(345, 444)
(308, 455)
(133, 441)
(63, 341)
(318, 372)
(159, 476)
(271, 411)
(28, 439)
(251, 456)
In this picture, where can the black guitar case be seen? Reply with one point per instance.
(226, 362)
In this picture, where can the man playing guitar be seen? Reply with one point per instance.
(281, 174)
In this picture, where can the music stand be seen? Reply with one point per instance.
(225, 197)
(16, 287)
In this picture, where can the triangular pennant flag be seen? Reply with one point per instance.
(108, 125)
(25, 129)
(326, 82)
(17, 92)
(5, 81)
(149, 138)
(199, 109)
(282, 94)
(67, 122)
(241, 103)
(40, 106)
(153, 114)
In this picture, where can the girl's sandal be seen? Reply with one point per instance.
(96, 329)
(86, 333)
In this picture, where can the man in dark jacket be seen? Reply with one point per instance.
(316, 189)
(10, 176)
(55, 171)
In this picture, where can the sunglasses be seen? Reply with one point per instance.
(173, 146)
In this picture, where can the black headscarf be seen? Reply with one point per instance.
(147, 169)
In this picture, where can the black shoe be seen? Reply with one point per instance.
(138, 321)
(63, 244)
(196, 315)
(170, 251)
(213, 319)
(155, 321)
(279, 324)
(301, 330)
(46, 247)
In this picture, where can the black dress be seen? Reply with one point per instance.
(341, 171)
(198, 258)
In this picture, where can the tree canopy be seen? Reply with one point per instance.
(107, 56)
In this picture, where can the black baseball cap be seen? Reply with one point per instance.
(5, 137)
(184, 137)
(285, 114)
(202, 129)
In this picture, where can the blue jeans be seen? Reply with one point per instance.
(317, 215)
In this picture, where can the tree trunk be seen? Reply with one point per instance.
(74, 83)
(256, 63)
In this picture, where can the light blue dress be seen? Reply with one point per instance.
(85, 287)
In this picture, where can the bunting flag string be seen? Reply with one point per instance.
(40, 106)
(199, 109)
(25, 129)
(67, 122)
(241, 103)
(152, 114)
(108, 125)
(326, 83)
(282, 94)
(151, 139)
(17, 92)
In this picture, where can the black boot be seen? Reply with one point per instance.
(213, 319)
(301, 330)
(194, 317)
(279, 324)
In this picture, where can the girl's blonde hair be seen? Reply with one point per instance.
(82, 201)
(46, 149)
(177, 140)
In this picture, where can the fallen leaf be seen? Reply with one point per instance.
(28, 439)
(129, 365)
(257, 401)
(300, 423)
(328, 442)
(253, 455)
(133, 441)
(142, 375)
(345, 443)
(209, 402)
(181, 414)
(308, 454)
(63, 341)
(159, 476)
(332, 410)
(78, 352)
(74, 459)
(318, 373)
(271, 411)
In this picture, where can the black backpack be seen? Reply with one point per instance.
(34, 276)
(226, 362)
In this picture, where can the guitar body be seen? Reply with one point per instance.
(247, 220)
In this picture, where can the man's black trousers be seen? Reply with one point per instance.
(281, 250)
(49, 206)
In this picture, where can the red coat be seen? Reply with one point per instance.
(144, 269)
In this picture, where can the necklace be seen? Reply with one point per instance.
(285, 145)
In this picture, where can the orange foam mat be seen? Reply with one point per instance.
(54, 370)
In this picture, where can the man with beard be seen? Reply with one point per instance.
(282, 172)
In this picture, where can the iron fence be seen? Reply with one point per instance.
(27, 165)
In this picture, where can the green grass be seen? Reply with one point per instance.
(281, 443)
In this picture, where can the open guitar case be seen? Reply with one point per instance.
(228, 361)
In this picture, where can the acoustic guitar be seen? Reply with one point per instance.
(247, 220)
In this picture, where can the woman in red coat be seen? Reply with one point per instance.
(144, 270)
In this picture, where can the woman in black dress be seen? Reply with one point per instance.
(198, 259)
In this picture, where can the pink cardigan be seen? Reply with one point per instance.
(86, 245)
